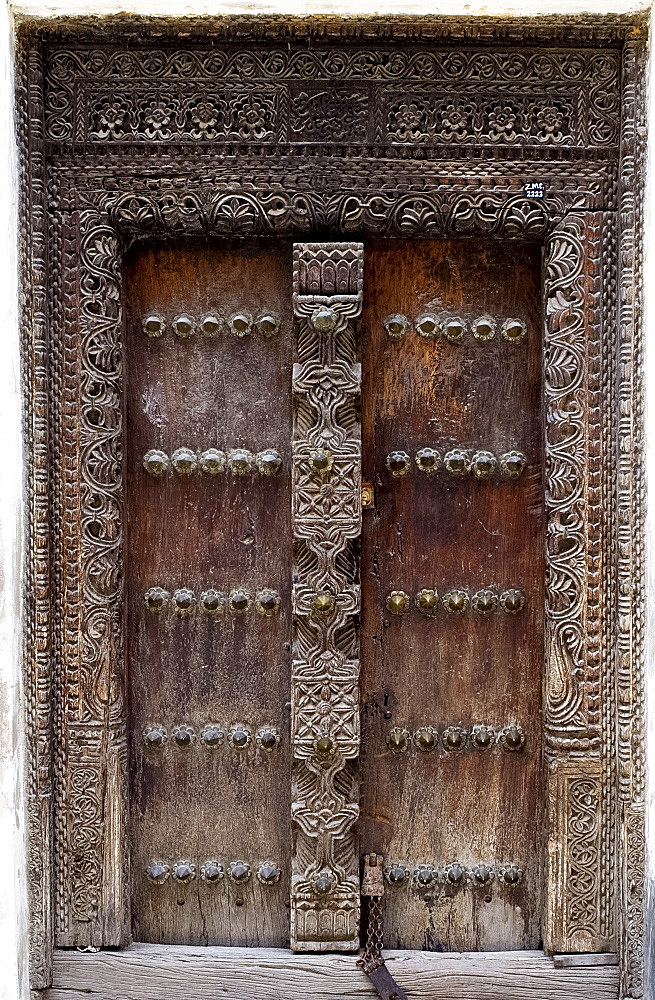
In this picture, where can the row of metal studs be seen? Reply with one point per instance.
(212, 602)
(430, 326)
(458, 462)
(239, 872)
(212, 736)
(456, 601)
(455, 874)
(238, 461)
(454, 739)
(211, 325)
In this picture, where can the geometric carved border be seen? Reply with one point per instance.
(72, 320)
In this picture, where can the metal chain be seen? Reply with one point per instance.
(372, 962)
(372, 955)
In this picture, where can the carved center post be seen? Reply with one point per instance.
(326, 512)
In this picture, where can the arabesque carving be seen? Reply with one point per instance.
(425, 140)
(326, 519)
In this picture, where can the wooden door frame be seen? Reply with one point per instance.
(84, 206)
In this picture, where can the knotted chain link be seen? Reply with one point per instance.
(372, 956)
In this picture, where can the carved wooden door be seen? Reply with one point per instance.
(253, 651)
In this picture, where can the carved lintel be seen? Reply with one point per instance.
(326, 508)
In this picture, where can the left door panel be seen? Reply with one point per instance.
(208, 417)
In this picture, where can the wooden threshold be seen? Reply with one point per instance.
(157, 972)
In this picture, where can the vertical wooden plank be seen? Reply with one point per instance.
(326, 512)
(441, 531)
(209, 670)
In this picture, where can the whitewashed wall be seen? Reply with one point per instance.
(13, 911)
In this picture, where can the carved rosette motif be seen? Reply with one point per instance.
(326, 512)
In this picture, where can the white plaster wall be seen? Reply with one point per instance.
(649, 330)
(13, 905)
(13, 908)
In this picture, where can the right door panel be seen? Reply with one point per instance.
(453, 591)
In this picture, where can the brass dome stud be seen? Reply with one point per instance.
(267, 325)
(398, 463)
(154, 326)
(455, 601)
(238, 872)
(425, 876)
(455, 874)
(512, 464)
(396, 326)
(268, 462)
(212, 871)
(154, 736)
(267, 738)
(212, 602)
(184, 600)
(321, 461)
(427, 601)
(156, 599)
(454, 330)
(396, 874)
(426, 739)
(267, 602)
(398, 739)
(325, 745)
(323, 603)
(239, 601)
(184, 461)
(484, 328)
(158, 872)
(484, 602)
(184, 871)
(212, 461)
(268, 872)
(483, 464)
(457, 462)
(512, 738)
(324, 319)
(481, 874)
(212, 325)
(240, 461)
(241, 324)
(155, 462)
(428, 460)
(511, 875)
(482, 737)
(213, 736)
(398, 602)
(512, 601)
(454, 739)
(184, 326)
(239, 737)
(428, 326)
(514, 330)
(324, 882)
(183, 734)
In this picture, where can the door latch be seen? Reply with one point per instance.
(372, 961)
(368, 495)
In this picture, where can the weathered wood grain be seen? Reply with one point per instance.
(152, 972)
(201, 531)
(442, 532)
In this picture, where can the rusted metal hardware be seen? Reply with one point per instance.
(371, 961)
